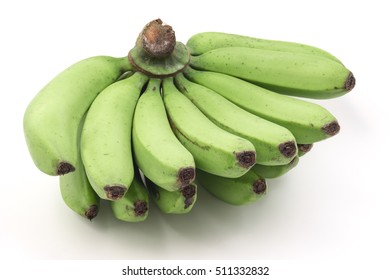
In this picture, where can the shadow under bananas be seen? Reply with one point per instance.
(206, 224)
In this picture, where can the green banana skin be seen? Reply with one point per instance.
(270, 172)
(246, 189)
(206, 41)
(308, 122)
(158, 153)
(77, 192)
(106, 138)
(180, 201)
(52, 118)
(215, 150)
(134, 205)
(274, 144)
(284, 72)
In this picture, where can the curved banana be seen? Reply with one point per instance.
(134, 205)
(52, 118)
(206, 41)
(270, 172)
(179, 201)
(307, 121)
(106, 137)
(284, 72)
(215, 150)
(236, 191)
(77, 192)
(158, 153)
(275, 145)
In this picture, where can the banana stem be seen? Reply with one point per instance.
(156, 53)
(157, 39)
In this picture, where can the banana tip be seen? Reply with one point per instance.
(259, 186)
(304, 148)
(64, 168)
(350, 82)
(188, 192)
(288, 149)
(140, 208)
(246, 159)
(91, 212)
(186, 175)
(114, 192)
(331, 128)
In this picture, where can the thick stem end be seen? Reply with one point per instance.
(158, 39)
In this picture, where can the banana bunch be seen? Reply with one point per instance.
(219, 112)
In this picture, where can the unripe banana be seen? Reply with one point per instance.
(52, 118)
(215, 150)
(236, 191)
(134, 205)
(274, 144)
(284, 72)
(77, 192)
(106, 137)
(206, 41)
(179, 201)
(158, 153)
(308, 122)
(270, 172)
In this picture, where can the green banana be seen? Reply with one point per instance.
(215, 150)
(304, 149)
(158, 153)
(296, 74)
(76, 191)
(180, 201)
(206, 41)
(275, 145)
(134, 205)
(308, 122)
(236, 191)
(106, 137)
(52, 118)
(270, 172)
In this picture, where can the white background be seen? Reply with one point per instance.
(334, 206)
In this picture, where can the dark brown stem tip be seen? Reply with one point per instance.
(259, 186)
(350, 82)
(246, 159)
(64, 168)
(91, 212)
(288, 149)
(140, 208)
(331, 128)
(158, 39)
(114, 192)
(188, 191)
(304, 148)
(186, 175)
